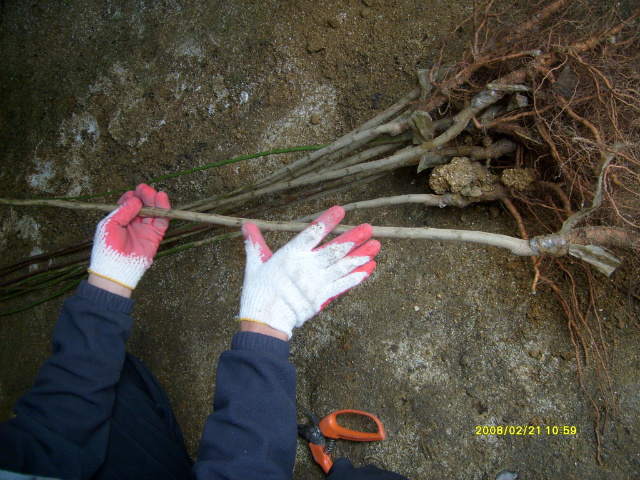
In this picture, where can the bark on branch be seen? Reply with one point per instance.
(555, 244)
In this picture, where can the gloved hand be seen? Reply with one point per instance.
(124, 243)
(285, 289)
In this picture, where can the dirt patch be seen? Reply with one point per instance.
(461, 176)
(444, 338)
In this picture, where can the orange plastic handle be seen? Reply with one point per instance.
(321, 457)
(330, 428)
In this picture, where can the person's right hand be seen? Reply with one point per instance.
(125, 243)
(285, 289)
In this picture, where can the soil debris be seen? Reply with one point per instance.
(462, 175)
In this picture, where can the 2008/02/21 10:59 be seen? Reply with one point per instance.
(524, 430)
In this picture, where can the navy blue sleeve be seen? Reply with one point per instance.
(252, 432)
(61, 426)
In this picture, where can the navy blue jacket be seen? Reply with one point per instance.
(64, 427)
(61, 426)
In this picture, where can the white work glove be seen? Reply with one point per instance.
(285, 289)
(125, 243)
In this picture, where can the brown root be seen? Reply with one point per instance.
(575, 78)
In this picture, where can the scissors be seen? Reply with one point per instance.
(323, 434)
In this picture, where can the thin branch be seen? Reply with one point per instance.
(462, 118)
(402, 158)
(515, 245)
(369, 130)
(554, 244)
(426, 199)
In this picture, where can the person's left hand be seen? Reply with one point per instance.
(283, 290)
(125, 243)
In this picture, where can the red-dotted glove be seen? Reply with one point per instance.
(285, 289)
(124, 243)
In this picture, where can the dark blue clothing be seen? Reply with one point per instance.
(62, 425)
(252, 433)
(96, 412)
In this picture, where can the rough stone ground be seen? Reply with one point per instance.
(97, 95)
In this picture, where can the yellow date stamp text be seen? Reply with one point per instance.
(526, 430)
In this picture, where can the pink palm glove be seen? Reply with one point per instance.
(124, 243)
(285, 289)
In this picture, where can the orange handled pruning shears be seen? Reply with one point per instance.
(328, 428)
